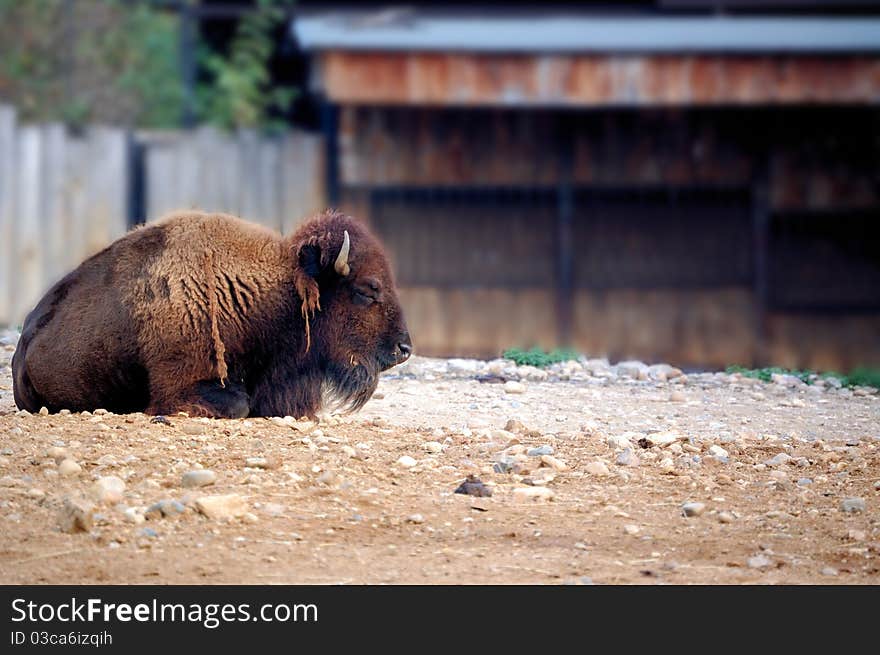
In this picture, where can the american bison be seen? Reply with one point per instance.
(215, 316)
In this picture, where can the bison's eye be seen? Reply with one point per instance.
(363, 298)
(367, 291)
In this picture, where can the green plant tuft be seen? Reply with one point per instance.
(538, 357)
(866, 377)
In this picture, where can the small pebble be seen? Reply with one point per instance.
(693, 509)
(539, 451)
(263, 462)
(57, 453)
(511, 386)
(852, 505)
(778, 460)
(552, 462)
(618, 442)
(76, 515)
(473, 486)
(415, 518)
(759, 562)
(406, 461)
(433, 446)
(198, 478)
(107, 490)
(726, 517)
(133, 516)
(628, 458)
(597, 468)
(533, 493)
(69, 467)
(222, 507)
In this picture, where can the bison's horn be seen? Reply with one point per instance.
(341, 264)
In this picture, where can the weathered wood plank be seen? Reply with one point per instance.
(301, 178)
(8, 185)
(53, 216)
(27, 266)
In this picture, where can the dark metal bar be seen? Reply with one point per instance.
(330, 129)
(761, 245)
(137, 185)
(564, 244)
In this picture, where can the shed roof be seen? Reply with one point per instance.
(413, 30)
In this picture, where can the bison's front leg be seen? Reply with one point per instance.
(206, 398)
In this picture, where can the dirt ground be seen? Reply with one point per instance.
(334, 503)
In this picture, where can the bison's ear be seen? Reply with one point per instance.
(313, 257)
(310, 260)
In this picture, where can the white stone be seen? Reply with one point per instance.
(406, 461)
(533, 493)
(222, 507)
(552, 462)
(778, 460)
(511, 386)
(69, 467)
(198, 478)
(618, 442)
(107, 490)
(661, 438)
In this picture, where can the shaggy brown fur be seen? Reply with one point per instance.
(215, 316)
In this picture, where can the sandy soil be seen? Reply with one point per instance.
(334, 503)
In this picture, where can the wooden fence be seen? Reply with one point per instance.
(275, 181)
(65, 196)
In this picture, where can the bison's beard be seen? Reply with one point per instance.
(347, 387)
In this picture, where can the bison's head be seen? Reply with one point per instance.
(353, 320)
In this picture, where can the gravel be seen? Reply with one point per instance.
(344, 485)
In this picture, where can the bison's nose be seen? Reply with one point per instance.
(405, 349)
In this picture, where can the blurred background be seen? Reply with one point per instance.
(690, 181)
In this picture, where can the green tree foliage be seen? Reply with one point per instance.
(238, 93)
(82, 61)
